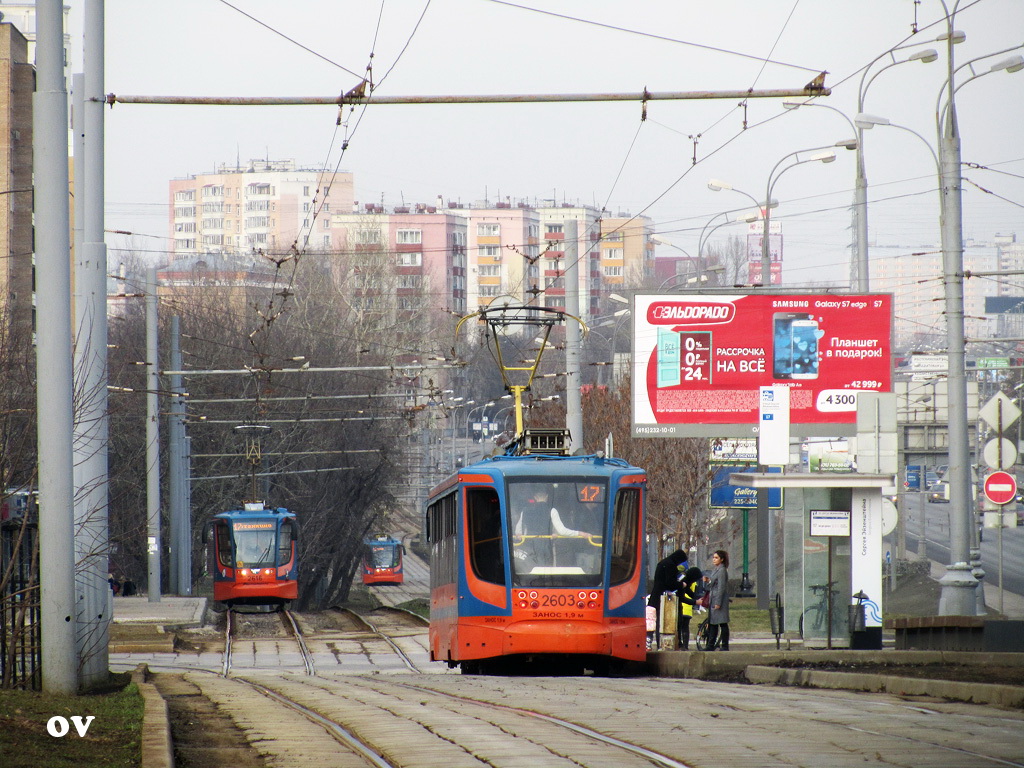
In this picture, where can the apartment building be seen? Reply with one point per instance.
(17, 82)
(263, 205)
(627, 251)
(503, 247)
(553, 260)
(405, 257)
(915, 281)
(23, 16)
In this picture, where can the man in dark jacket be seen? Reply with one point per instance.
(666, 578)
(667, 575)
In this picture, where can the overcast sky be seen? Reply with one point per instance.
(600, 154)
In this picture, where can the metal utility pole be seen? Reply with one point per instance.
(573, 397)
(153, 545)
(178, 475)
(91, 421)
(54, 355)
(958, 596)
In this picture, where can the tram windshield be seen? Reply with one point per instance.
(255, 544)
(557, 532)
(382, 556)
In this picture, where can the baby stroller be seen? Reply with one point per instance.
(704, 630)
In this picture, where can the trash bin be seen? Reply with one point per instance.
(862, 638)
(776, 617)
(856, 618)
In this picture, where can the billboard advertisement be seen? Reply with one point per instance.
(699, 360)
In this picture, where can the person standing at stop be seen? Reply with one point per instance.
(718, 610)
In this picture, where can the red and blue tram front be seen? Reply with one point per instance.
(539, 565)
(382, 561)
(255, 557)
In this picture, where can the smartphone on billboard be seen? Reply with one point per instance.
(794, 346)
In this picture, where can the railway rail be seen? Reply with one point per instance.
(409, 714)
(473, 722)
(394, 619)
(291, 626)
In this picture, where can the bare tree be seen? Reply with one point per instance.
(734, 260)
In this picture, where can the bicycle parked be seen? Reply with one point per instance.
(815, 617)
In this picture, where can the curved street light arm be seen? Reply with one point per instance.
(940, 108)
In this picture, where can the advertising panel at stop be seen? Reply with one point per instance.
(699, 360)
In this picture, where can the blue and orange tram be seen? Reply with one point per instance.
(255, 558)
(382, 561)
(538, 558)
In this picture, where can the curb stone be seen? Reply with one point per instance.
(1009, 696)
(156, 729)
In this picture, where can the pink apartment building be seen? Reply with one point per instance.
(267, 205)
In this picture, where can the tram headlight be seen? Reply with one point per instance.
(591, 604)
(580, 604)
(535, 605)
(522, 595)
(583, 595)
(523, 604)
(593, 595)
(533, 595)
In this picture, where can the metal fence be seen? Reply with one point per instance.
(20, 642)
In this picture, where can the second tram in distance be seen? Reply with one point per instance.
(538, 558)
(383, 560)
(255, 560)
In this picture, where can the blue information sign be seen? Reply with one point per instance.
(740, 496)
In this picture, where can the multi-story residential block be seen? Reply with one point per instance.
(225, 280)
(627, 251)
(1009, 306)
(553, 255)
(23, 16)
(915, 281)
(265, 205)
(401, 260)
(503, 249)
(17, 82)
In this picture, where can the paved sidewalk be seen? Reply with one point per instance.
(168, 611)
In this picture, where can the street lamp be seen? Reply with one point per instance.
(866, 122)
(716, 185)
(822, 155)
(859, 269)
(469, 418)
(690, 260)
(959, 586)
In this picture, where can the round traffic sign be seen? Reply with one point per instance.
(1000, 453)
(1000, 487)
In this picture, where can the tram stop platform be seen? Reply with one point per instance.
(140, 626)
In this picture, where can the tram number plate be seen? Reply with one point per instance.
(550, 601)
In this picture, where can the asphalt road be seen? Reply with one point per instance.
(937, 543)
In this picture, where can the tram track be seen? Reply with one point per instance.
(292, 628)
(403, 617)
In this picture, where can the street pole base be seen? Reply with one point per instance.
(958, 596)
(746, 589)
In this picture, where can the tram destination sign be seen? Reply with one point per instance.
(699, 360)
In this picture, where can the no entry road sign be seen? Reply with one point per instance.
(1000, 487)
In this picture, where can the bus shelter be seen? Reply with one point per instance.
(830, 577)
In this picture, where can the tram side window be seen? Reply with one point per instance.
(284, 542)
(485, 541)
(624, 535)
(223, 544)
